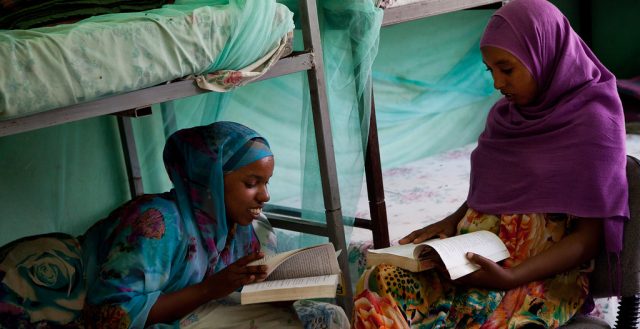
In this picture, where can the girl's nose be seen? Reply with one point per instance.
(263, 195)
(498, 82)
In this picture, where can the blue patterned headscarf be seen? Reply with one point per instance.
(196, 160)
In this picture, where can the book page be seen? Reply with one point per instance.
(319, 260)
(291, 283)
(452, 251)
(290, 289)
(273, 261)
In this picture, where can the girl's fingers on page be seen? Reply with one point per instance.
(249, 258)
(476, 259)
(409, 238)
(249, 279)
(260, 269)
(484, 262)
(427, 234)
(261, 277)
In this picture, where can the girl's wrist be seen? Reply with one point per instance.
(210, 291)
(515, 277)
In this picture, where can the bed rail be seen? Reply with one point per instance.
(296, 62)
(409, 10)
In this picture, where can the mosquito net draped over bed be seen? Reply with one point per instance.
(65, 177)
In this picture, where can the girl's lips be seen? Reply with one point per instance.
(255, 212)
(508, 96)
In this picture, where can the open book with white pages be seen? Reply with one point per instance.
(311, 272)
(450, 252)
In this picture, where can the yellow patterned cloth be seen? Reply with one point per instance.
(389, 297)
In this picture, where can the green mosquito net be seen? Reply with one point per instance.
(431, 90)
(280, 110)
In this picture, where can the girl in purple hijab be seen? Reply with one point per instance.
(548, 177)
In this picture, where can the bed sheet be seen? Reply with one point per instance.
(51, 67)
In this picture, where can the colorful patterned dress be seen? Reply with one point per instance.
(389, 297)
(155, 244)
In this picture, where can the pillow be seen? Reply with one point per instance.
(41, 282)
(26, 14)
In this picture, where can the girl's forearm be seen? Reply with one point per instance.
(457, 215)
(173, 306)
(571, 251)
(462, 210)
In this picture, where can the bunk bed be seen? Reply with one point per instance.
(131, 99)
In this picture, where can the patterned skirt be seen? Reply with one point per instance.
(390, 297)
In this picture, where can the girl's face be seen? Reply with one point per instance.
(510, 76)
(245, 190)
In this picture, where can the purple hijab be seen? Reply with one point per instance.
(565, 153)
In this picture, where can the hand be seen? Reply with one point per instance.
(442, 229)
(490, 275)
(237, 275)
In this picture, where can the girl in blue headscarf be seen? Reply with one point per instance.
(159, 257)
(168, 260)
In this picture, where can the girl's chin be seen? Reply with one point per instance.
(244, 221)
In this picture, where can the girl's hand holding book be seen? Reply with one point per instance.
(442, 229)
(490, 275)
(237, 275)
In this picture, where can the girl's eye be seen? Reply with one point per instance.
(250, 184)
(507, 71)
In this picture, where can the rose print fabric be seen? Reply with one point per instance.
(389, 297)
(41, 282)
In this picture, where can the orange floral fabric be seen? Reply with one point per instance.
(389, 297)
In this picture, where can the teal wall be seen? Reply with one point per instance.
(615, 29)
(61, 178)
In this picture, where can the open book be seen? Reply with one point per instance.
(450, 251)
(311, 272)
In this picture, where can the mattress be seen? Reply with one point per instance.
(51, 67)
